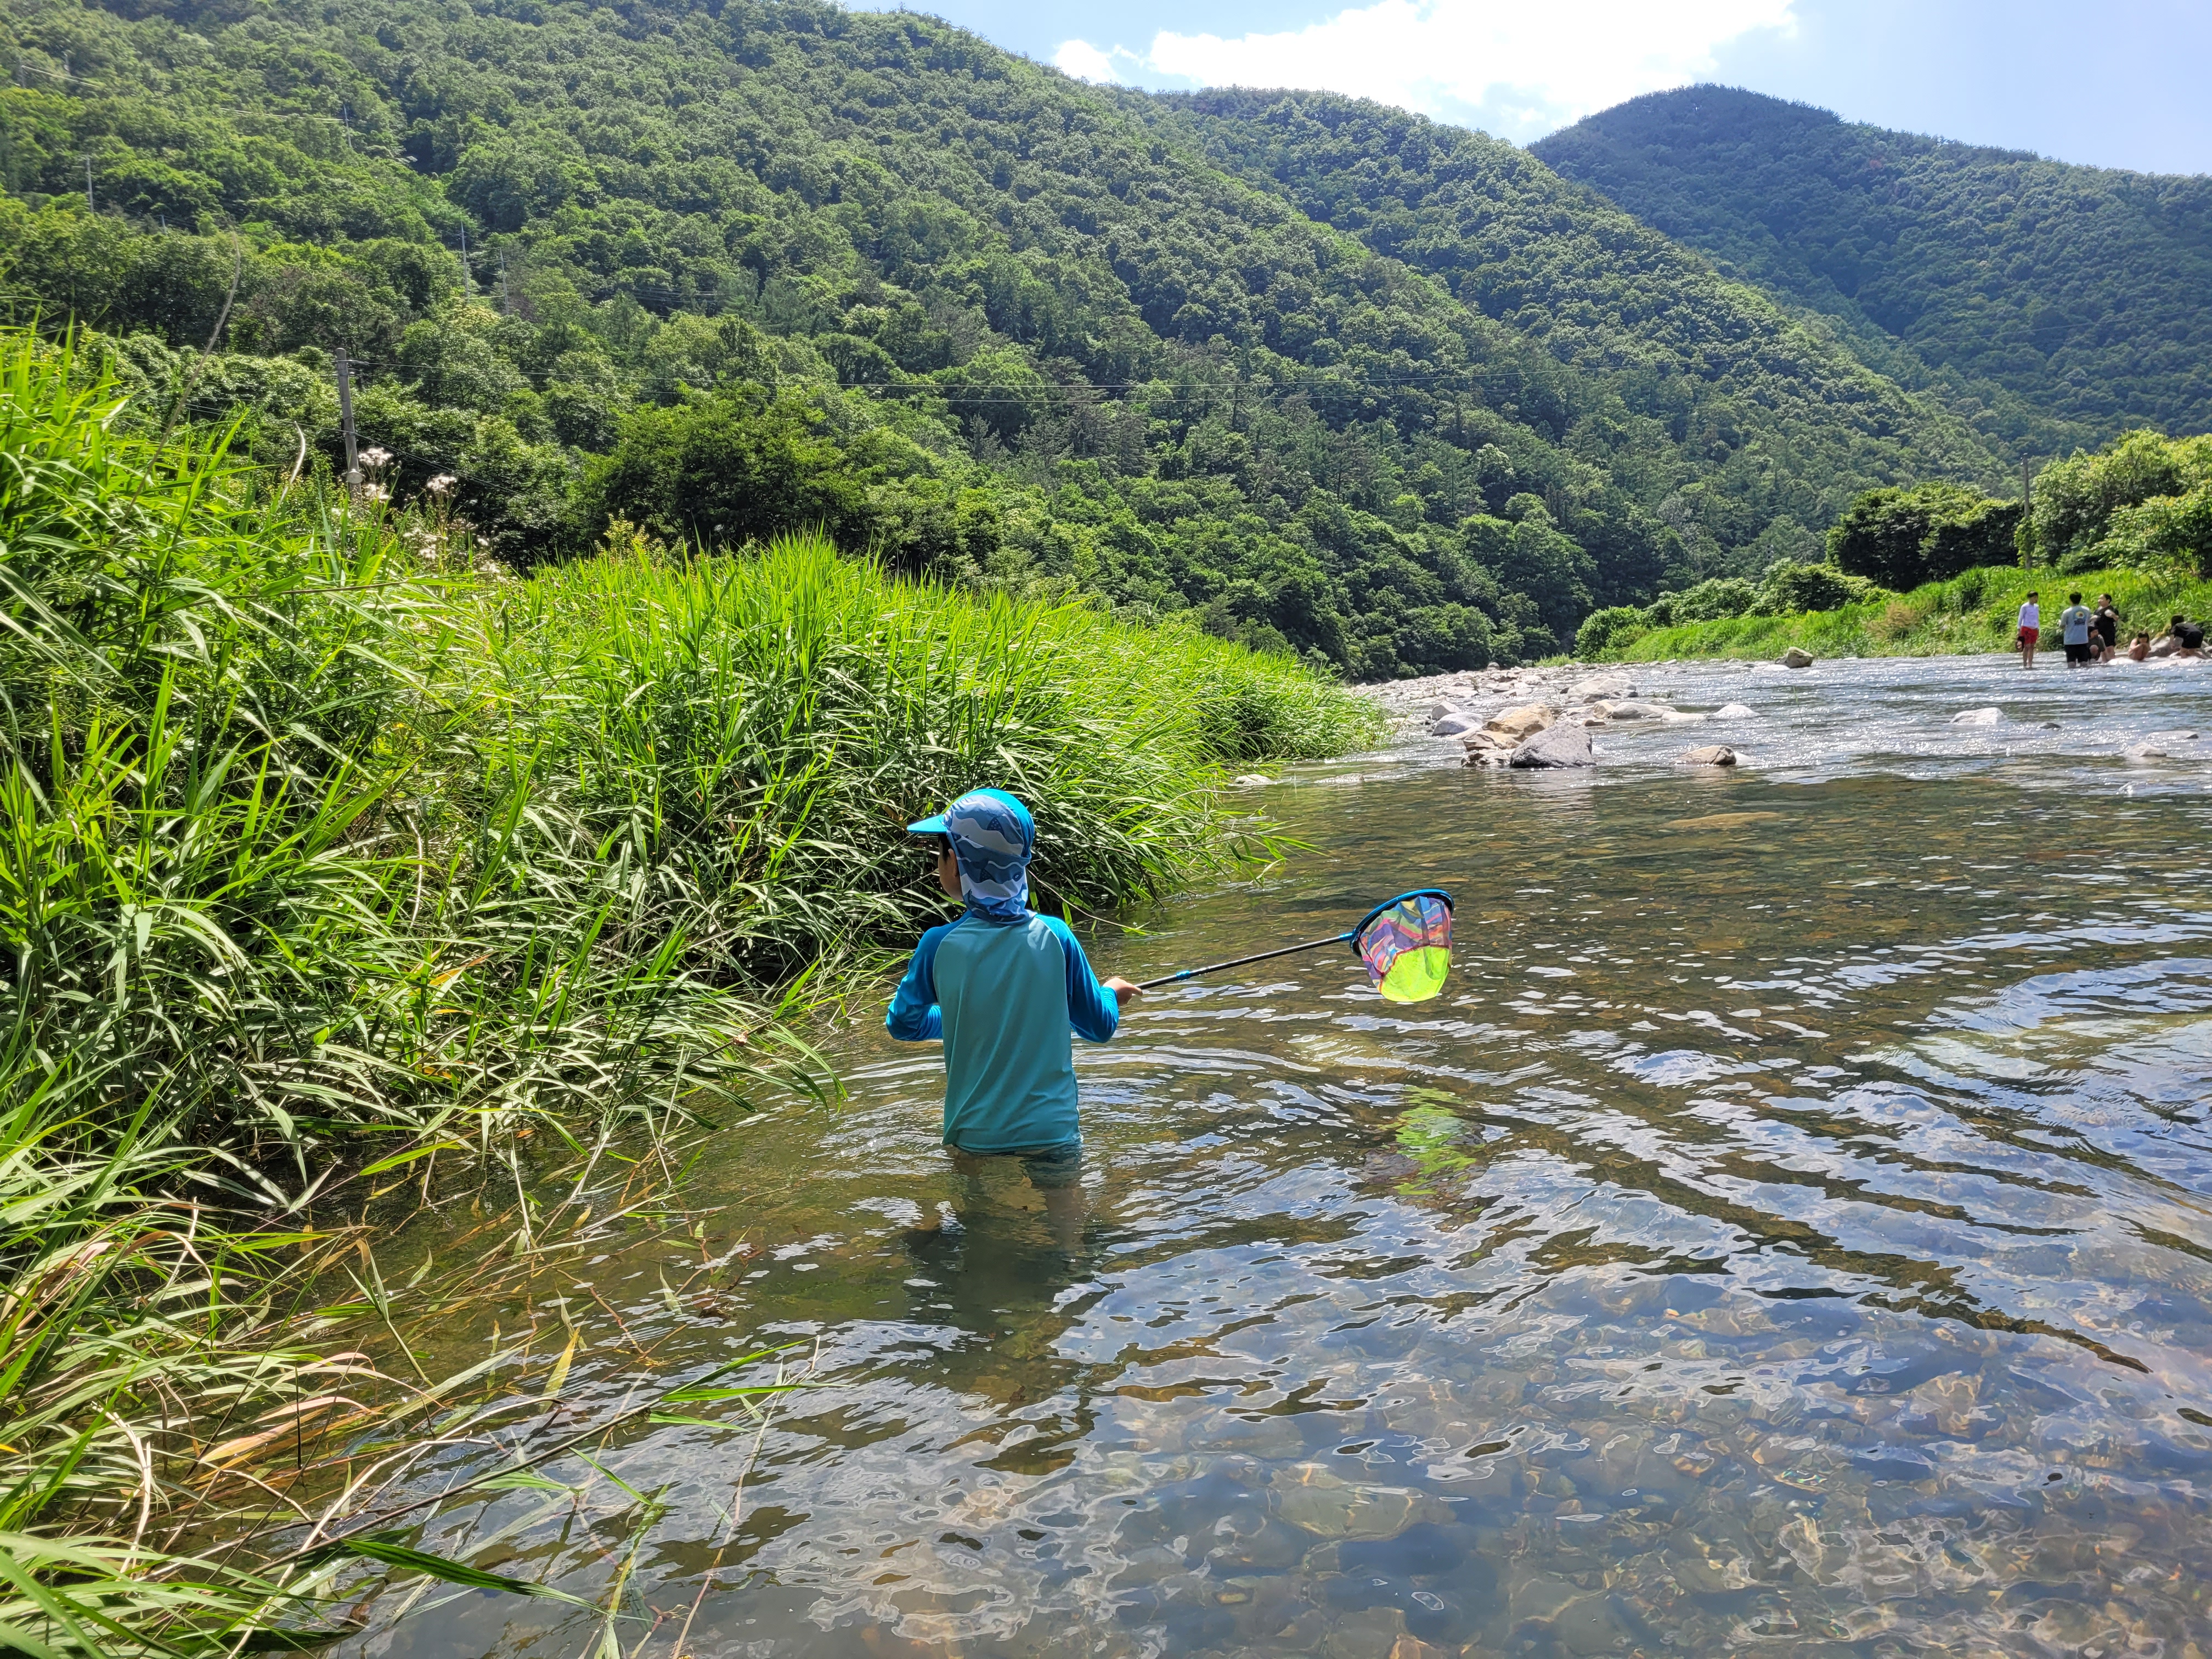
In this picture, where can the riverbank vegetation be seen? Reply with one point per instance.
(333, 852)
(1977, 611)
(1926, 569)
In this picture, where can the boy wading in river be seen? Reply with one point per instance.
(1005, 989)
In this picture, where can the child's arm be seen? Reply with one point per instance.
(1093, 1011)
(914, 1016)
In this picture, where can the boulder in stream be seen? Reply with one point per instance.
(1734, 711)
(1978, 717)
(1556, 746)
(1710, 754)
(1796, 656)
(1518, 723)
(1453, 725)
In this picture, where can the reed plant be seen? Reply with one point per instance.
(330, 860)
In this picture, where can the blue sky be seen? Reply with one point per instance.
(2121, 84)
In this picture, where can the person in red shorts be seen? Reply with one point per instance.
(2031, 624)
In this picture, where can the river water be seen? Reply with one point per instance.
(1787, 1233)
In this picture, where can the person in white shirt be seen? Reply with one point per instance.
(2031, 624)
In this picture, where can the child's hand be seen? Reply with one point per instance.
(1124, 992)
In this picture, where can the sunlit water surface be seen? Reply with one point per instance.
(1787, 1234)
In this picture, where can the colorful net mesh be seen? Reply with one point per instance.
(1406, 945)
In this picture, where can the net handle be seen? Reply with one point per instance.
(1350, 936)
(1238, 961)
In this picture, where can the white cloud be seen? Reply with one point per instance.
(1085, 61)
(1518, 68)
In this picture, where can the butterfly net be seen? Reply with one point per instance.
(1406, 946)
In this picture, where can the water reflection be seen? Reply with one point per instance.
(1787, 1234)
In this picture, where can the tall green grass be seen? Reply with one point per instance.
(326, 857)
(1975, 613)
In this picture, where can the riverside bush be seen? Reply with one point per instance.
(315, 839)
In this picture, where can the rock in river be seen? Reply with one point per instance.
(1453, 725)
(1556, 745)
(1733, 711)
(1710, 754)
(1978, 717)
(1795, 657)
(1520, 722)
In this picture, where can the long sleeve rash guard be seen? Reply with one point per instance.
(1004, 999)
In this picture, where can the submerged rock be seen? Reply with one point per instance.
(1796, 656)
(1733, 711)
(1599, 687)
(1710, 754)
(1978, 717)
(1251, 780)
(1451, 725)
(1556, 746)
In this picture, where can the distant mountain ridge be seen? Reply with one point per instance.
(2056, 305)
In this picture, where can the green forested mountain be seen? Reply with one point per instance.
(1773, 417)
(723, 267)
(2059, 304)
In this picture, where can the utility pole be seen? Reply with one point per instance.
(345, 421)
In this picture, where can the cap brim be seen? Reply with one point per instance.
(929, 827)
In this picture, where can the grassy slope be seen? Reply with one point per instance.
(1975, 613)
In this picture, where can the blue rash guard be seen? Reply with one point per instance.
(1004, 999)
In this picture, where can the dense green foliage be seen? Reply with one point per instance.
(1788, 588)
(438, 844)
(945, 302)
(2144, 502)
(1902, 538)
(1739, 423)
(324, 848)
(1978, 611)
(2057, 305)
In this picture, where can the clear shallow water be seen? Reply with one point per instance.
(1788, 1233)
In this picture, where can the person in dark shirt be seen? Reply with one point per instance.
(2107, 624)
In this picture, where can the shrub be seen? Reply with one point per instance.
(1788, 588)
(1612, 628)
(1714, 598)
(1900, 538)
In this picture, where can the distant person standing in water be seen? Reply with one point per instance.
(1005, 988)
(2074, 629)
(2031, 624)
(2107, 624)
